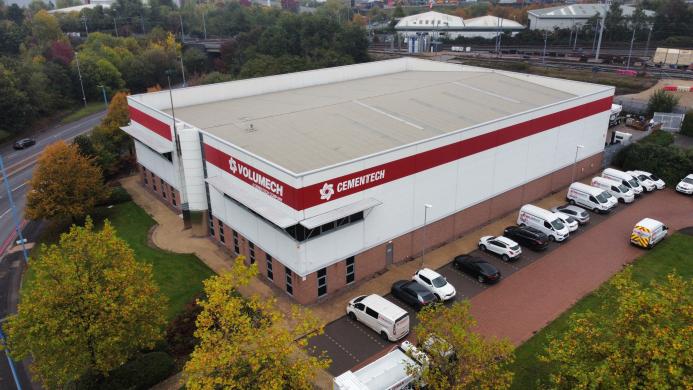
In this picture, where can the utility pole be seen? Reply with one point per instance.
(630, 51)
(115, 25)
(81, 84)
(649, 34)
(182, 68)
(185, 207)
(15, 215)
(204, 23)
(182, 33)
(103, 89)
(601, 32)
(142, 22)
(543, 56)
(423, 249)
(84, 20)
(576, 35)
(594, 38)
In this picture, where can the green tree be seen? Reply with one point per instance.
(90, 307)
(399, 12)
(45, 28)
(195, 60)
(65, 184)
(647, 344)
(687, 125)
(458, 357)
(247, 343)
(661, 101)
(15, 110)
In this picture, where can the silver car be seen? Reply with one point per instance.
(580, 214)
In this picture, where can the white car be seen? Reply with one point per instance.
(568, 220)
(503, 246)
(648, 184)
(685, 186)
(435, 283)
(641, 175)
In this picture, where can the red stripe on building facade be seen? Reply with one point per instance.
(313, 195)
(150, 123)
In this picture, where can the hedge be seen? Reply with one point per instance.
(687, 125)
(670, 163)
(140, 373)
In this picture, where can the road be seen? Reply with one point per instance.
(19, 166)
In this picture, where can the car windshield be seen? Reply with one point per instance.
(643, 178)
(633, 183)
(602, 198)
(654, 177)
(515, 248)
(439, 282)
(622, 188)
(557, 224)
(687, 180)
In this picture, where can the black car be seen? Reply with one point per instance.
(527, 236)
(23, 143)
(477, 267)
(412, 293)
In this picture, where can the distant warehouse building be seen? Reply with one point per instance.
(443, 25)
(572, 15)
(321, 177)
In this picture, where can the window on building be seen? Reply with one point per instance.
(173, 198)
(144, 173)
(153, 184)
(220, 226)
(163, 188)
(270, 274)
(322, 282)
(289, 281)
(211, 224)
(251, 252)
(236, 248)
(300, 233)
(350, 270)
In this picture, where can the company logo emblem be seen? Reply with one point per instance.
(326, 191)
(232, 165)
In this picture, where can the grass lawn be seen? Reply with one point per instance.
(672, 253)
(82, 112)
(179, 276)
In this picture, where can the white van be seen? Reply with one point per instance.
(623, 178)
(622, 193)
(390, 321)
(544, 221)
(398, 369)
(648, 232)
(592, 198)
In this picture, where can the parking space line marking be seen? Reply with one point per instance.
(356, 325)
(342, 348)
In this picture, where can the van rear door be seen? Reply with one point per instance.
(401, 326)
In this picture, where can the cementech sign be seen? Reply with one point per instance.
(338, 187)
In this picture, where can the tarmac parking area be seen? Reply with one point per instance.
(350, 343)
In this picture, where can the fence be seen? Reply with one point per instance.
(610, 153)
(639, 106)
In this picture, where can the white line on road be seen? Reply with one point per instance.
(20, 186)
(5, 213)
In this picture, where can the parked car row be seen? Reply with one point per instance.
(685, 186)
(536, 227)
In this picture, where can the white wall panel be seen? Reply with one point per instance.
(475, 178)
(156, 163)
(395, 215)
(510, 169)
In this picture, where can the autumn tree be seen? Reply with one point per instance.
(89, 308)
(64, 185)
(642, 339)
(458, 357)
(246, 343)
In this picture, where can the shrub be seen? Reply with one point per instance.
(659, 137)
(671, 163)
(179, 333)
(687, 125)
(141, 373)
(118, 195)
(661, 101)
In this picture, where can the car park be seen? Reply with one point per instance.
(412, 293)
(504, 247)
(544, 221)
(648, 232)
(527, 236)
(569, 221)
(581, 215)
(592, 198)
(623, 178)
(685, 186)
(648, 184)
(478, 268)
(659, 183)
(622, 193)
(23, 143)
(390, 321)
(435, 283)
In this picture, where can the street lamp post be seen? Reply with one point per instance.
(13, 369)
(15, 216)
(103, 89)
(543, 56)
(81, 84)
(423, 247)
(630, 51)
(577, 149)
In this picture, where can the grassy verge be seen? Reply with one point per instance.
(671, 254)
(179, 276)
(91, 108)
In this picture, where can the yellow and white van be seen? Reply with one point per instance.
(648, 232)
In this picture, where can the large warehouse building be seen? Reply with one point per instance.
(322, 177)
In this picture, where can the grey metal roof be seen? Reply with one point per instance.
(314, 127)
(580, 11)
